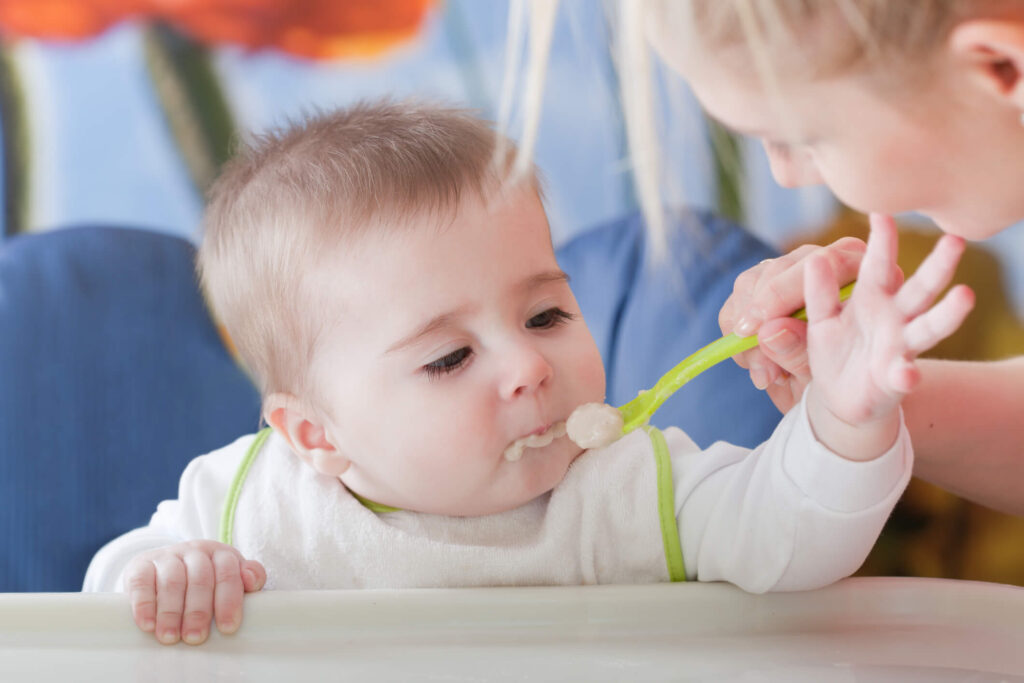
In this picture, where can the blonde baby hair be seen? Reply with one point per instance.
(292, 197)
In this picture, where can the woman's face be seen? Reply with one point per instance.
(941, 147)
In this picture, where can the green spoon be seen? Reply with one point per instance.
(638, 412)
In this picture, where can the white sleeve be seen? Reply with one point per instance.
(789, 515)
(194, 515)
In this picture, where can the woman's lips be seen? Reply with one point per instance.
(538, 438)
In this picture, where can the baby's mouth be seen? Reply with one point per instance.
(515, 450)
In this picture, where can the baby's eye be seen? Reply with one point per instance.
(448, 363)
(549, 318)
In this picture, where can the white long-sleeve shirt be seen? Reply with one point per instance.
(788, 515)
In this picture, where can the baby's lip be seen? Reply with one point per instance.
(538, 438)
(540, 430)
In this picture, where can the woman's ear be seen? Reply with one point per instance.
(993, 51)
(304, 432)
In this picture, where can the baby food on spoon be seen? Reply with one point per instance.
(594, 425)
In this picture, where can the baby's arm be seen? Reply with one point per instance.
(789, 515)
(862, 354)
(177, 577)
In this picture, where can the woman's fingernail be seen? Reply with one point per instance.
(747, 324)
(782, 342)
(759, 377)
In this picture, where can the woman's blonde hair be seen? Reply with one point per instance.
(293, 198)
(817, 37)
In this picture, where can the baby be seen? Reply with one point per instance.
(396, 298)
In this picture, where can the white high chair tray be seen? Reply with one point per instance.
(866, 629)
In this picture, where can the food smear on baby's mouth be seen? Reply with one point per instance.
(594, 425)
(515, 450)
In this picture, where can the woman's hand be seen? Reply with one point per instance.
(177, 590)
(763, 298)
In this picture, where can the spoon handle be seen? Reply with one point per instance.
(638, 411)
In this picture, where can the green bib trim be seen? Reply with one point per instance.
(373, 506)
(667, 506)
(227, 517)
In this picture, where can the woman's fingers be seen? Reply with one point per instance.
(783, 294)
(749, 282)
(783, 341)
(933, 275)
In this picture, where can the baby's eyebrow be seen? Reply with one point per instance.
(435, 323)
(543, 279)
(446, 319)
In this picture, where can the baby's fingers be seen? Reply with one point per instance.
(942, 320)
(195, 622)
(254, 576)
(879, 269)
(228, 590)
(171, 583)
(140, 584)
(903, 376)
(821, 291)
(934, 274)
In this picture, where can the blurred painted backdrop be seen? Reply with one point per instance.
(96, 83)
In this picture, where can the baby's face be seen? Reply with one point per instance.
(446, 346)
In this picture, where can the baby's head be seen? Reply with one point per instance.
(396, 298)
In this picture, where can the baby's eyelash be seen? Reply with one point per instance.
(448, 364)
(552, 317)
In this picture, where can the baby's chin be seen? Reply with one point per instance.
(546, 468)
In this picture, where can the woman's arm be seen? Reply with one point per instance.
(966, 420)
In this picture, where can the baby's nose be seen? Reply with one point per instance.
(525, 371)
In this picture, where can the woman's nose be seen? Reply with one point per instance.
(793, 167)
(525, 371)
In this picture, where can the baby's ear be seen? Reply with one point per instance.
(304, 432)
(993, 50)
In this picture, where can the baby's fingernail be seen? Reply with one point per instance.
(193, 637)
(759, 377)
(781, 342)
(250, 577)
(168, 636)
(147, 625)
(748, 323)
(227, 626)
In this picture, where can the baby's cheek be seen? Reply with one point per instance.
(589, 372)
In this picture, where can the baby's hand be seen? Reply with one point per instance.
(175, 591)
(862, 355)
